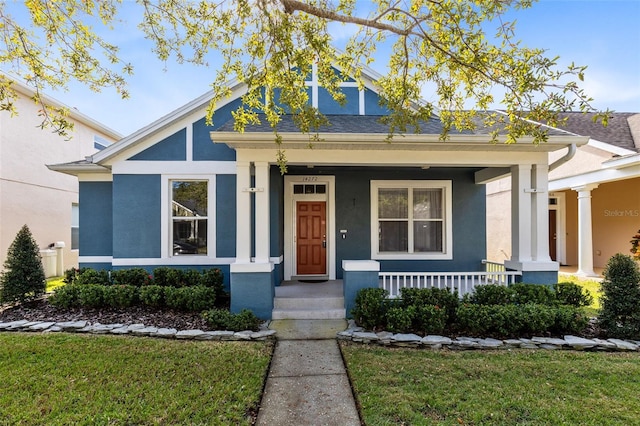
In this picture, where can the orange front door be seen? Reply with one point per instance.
(311, 237)
(553, 237)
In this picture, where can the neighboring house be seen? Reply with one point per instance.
(32, 194)
(181, 193)
(594, 198)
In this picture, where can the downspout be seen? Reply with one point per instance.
(568, 156)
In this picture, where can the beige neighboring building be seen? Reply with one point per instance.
(32, 194)
(594, 197)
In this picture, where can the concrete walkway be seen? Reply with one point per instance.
(307, 385)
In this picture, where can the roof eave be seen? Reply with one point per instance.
(379, 141)
(76, 169)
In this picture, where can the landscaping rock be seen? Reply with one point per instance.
(579, 343)
(623, 345)
(41, 326)
(145, 331)
(365, 337)
(490, 343)
(166, 333)
(71, 325)
(433, 340)
(188, 334)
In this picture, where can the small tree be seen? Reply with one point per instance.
(620, 312)
(23, 278)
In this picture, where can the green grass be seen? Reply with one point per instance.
(63, 379)
(519, 387)
(54, 282)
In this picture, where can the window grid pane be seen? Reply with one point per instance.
(393, 203)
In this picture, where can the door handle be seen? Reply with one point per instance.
(324, 244)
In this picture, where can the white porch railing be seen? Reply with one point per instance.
(464, 282)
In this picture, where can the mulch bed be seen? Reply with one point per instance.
(42, 310)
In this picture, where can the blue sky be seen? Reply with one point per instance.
(602, 34)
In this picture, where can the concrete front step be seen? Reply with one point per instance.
(308, 314)
(303, 303)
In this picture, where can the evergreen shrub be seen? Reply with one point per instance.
(371, 308)
(222, 319)
(66, 296)
(134, 276)
(152, 295)
(90, 276)
(619, 315)
(91, 295)
(23, 277)
(568, 293)
(120, 296)
(533, 293)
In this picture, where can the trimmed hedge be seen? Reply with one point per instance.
(492, 310)
(184, 290)
(222, 319)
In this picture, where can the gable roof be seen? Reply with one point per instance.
(617, 132)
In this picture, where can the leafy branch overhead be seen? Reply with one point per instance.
(439, 47)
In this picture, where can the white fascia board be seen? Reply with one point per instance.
(610, 148)
(379, 141)
(75, 169)
(238, 89)
(622, 162)
(595, 177)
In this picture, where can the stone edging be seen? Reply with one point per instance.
(385, 338)
(133, 330)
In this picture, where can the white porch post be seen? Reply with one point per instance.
(585, 231)
(243, 212)
(520, 213)
(262, 212)
(540, 196)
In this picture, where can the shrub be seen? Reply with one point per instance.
(213, 278)
(91, 295)
(569, 320)
(370, 308)
(134, 276)
(191, 299)
(91, 276)
(533, 293)
(66, 296)
(191, 278)
(221, 319)
(71, 274)
(568, 293)
(400, 319)
(168, 277)
(620, 313)
(492, 294)
(23, 276)
(442, 298)
(152, 295)
(506, 320)
(430, 319)
(120, 296)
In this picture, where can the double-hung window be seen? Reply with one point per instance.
(411, 220)
(189, 216)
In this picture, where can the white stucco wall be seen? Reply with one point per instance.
(30, 193)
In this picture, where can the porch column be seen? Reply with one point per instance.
(243, 212)
(521, 213)
(530, 225)
(585, 231)
(262, 212)
(540, 209)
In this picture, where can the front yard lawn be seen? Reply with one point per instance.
(417, 387)
(61, 379)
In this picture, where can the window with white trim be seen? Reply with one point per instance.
(189, 217)
(411, 219)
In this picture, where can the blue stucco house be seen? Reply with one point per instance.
(180, 193)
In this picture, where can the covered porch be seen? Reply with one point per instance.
(350, 168)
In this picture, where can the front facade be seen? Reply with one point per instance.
(30, 193)
(183, 194)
